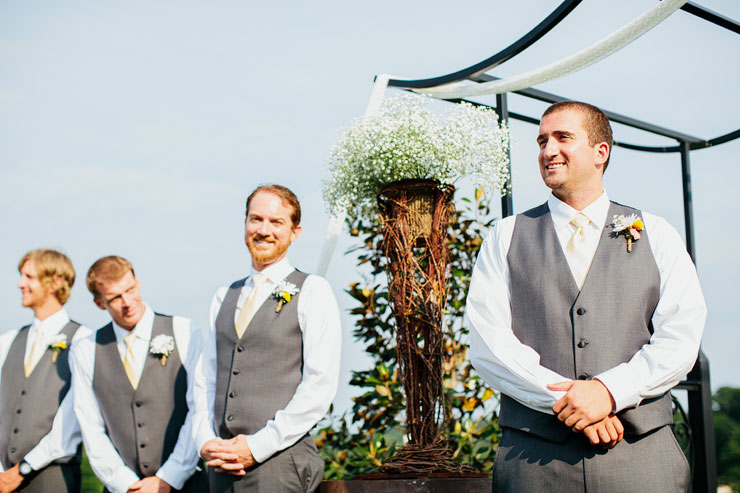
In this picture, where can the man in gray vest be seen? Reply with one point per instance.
(584, 313)
(132, 379)
(272, 362)
(39, 434)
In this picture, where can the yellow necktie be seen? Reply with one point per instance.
(128, 360)
(248, 308)
(578, 260)
(37, 351)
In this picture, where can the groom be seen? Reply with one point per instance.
(583, 336)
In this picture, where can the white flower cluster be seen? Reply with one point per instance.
(59, 342)
(406, 140)
(162, 345)
(621, 222)
(285, 287)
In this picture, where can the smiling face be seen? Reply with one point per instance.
(35, 294)
(569, 165)
(268, 229)
(122, 300)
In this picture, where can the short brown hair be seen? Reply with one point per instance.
(107, 269)
(285, 194)
(51, 265)
(593, 121)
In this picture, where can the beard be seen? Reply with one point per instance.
(265, 255)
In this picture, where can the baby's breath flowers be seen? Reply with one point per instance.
(406, 140)
(630, 226)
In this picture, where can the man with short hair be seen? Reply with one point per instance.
(39, 434)
(584, 313)
(133, 389)
(271, 365)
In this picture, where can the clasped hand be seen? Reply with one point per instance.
(587, 407)
(231, 456)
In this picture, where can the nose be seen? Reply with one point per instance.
(550, 149)
(264, 228)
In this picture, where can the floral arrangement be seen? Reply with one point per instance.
(629, 226)
(162, 346)
(406, 140)
(283, 292)
(59, 343)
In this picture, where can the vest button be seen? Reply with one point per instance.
(139, 425)
(145, 466)
(232, 394)
(582, 343)
(17, 411)
(143, 445)
(12, 450)
(239, 349)
(15, 430)
(235, 372)
(583, 376)
(138, 403)
(23, 392)
(580, 311)
(229, 418)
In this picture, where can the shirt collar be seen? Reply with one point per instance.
(275, 272)
(562, 213)
(143, 329)
(51, 325)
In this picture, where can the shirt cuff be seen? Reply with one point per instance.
(36, 459)
(122, 480)
(172, 475)
(622, 385)
(260, 446)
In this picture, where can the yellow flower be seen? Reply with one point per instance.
(638, 225)
(286, 296)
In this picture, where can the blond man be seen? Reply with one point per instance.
(133, 393)
(39, 434)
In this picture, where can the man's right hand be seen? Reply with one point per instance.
(10, 480)
(608, 432)
(219, 452)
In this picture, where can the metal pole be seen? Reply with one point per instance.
(688, 215)
(701, 421)
(502, 108)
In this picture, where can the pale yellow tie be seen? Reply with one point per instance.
(128, 360)
(248, 308)
(578, 259)
(37, 351)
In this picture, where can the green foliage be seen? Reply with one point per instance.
(359, 441)
(727, 435)
(90, 482)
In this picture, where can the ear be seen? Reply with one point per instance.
(601, 154)
(295, 233)
(99, 303)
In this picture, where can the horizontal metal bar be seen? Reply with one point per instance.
(507, 53)
(711, 16)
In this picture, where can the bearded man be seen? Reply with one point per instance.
(271, 364)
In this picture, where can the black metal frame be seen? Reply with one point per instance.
(697, 384)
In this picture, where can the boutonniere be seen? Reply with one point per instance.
(283, 292)
(58, 344)
(162, 346)
(629, 226)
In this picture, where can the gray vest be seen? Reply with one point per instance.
(30, 404)
(581, 334)
(258, 373)
(143, 424)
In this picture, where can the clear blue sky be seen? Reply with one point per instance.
(138, 128)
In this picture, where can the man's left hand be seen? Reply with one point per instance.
(585, 402)
(152, 484)
(232, 456)
(10, 480)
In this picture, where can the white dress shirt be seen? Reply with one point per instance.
(318, 317)
(60, 444)
(513, 368)
(104, 459)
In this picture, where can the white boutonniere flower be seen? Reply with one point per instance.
(283, 292)
(162, 346)
(629, 226)
(58, 344)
